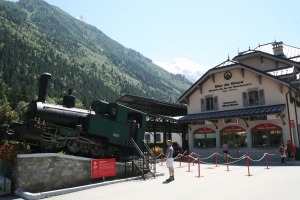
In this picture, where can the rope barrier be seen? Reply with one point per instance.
(180, 155)
(227, 163)
(193, 157)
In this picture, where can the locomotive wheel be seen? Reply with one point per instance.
(73, 146)
(96, 149)
(85, 147)
(47, 147)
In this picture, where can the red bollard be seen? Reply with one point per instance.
(267, 163)
(188, 157)
(216, 159)
(180, 155)
(198, 167)
(248, 164)
(227, 161)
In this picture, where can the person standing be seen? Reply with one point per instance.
(282, 152)
(225, 148)
(291, 151)
(169, 160)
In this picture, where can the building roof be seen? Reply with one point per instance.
(227, 65)
(273, 109)
(163, 116)
(289, 52)
(151, 106)
(286, 54)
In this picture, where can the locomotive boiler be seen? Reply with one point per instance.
(98, 132)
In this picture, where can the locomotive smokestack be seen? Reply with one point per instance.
(69, 99)
(44, 79)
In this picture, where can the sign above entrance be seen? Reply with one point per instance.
(266, 127)
(204, 130)
(232, 129)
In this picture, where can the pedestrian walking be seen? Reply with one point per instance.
(291, 151)
(282, 152)
(225, 148)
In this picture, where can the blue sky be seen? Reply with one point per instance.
(205, 32)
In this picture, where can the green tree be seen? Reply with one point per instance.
(7, 116)
(21, 109)
(2, 90)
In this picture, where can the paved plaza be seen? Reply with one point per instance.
(215, 182)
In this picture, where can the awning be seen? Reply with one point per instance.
(273, 109)
(151, 106)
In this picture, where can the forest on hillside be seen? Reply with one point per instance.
(37, 37)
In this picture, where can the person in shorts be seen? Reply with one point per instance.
(169, 160)
(225, 149)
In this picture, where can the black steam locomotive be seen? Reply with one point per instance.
(97, 132)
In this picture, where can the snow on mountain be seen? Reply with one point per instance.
(191, 70)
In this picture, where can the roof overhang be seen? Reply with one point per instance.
(243, 112)
(152, 107)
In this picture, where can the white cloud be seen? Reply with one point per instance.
(191, 70)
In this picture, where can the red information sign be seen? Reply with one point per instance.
(232, 129)
(292, 123)
(266, 127)
(103, 168)
(204, 130)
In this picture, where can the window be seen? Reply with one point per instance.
(158, 137)
(234, 139)
(198, 123)
(258, 117)
(253, 97)
(231, 121)
(209, 103)
(266, 135)
(147, 137)
(204, 140)
(266, 138)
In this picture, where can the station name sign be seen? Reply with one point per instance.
(226, 87)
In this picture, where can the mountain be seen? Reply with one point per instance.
(191, 70)
(37, 37)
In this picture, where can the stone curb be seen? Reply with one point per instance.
(41, 195)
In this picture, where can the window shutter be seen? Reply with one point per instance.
(245, 99)
(202, 105)
(216, 107)
(261, 94)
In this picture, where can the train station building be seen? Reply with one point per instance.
(251, 101)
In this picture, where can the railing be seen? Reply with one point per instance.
(144, 162)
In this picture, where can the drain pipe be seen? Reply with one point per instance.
(288, 110)
(296, 123)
